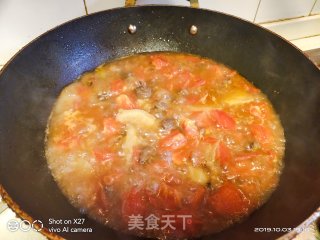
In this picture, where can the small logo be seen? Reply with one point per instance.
(13, 225)
(37, 225)
(25, 226)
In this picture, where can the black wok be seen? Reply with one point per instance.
(32, 80)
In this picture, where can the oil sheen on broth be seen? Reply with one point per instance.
(165, 134)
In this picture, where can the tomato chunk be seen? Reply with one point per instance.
(193, 98)
(223, 154)
(123, 101)
(111, 178)
(68, 138)
(159, 61)
(175, 140)
(197, 198)
(202, 119)
(229, 201)
(262, 134)
(223, 119)
(168, 198)
(104, 154)
(188, 80)
(214, 117)
(117, 86)
(197, 82)
(135, 203)
(111, 126)
(209, 139)
(179, 157)
(251, 155)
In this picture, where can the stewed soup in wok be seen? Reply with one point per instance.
(165, 145)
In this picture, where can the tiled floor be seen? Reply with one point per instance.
(245, 9)
(22, 21)
(316, 8)
(98, 5)
(165, 2)
(271, 10)
(296, 28)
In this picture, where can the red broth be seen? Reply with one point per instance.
(165, 145)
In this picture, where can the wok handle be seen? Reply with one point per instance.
(193, 3)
